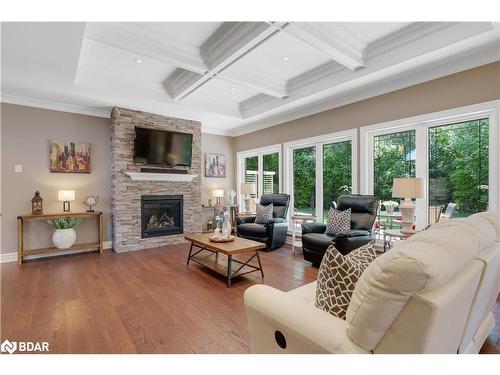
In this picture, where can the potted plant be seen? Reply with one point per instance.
(390, 206)
(64, 235)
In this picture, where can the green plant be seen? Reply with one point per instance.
(64, 222)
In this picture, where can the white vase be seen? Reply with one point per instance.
(64, 238)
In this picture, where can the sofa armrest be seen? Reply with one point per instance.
(353, 233)
(276, 220)
(244, 219)
(313, 228)
(306, 329)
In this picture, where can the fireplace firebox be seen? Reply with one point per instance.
(161, 215)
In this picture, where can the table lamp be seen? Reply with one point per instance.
(66, 196)
(218, 194)
(407, 188)
(247, 189)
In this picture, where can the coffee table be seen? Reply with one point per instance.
(207, 255)
(394, 233)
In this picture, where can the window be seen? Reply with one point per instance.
(454, 151)
(304, 180)
(261, 167)
(319, 170)
(393, 156)
(252, 173)
(337, 173)
(458, 166)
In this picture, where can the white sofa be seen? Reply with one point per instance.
(432, 293)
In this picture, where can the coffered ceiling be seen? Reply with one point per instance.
(234, 77)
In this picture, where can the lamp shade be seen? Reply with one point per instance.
(218, 193)
(66, 195)
(408, 187)
(248, 188)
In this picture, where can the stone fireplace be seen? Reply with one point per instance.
(161, 215)
(131, 230)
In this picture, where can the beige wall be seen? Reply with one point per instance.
(26, 132)
(25, 135)
(217, 144)
(469, 87)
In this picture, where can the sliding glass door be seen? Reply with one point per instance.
(320, 169)
(453, 151)
(261, 167)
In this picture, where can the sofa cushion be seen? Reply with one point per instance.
(427, 260)
(264, 214)
(338, 275)
(338, 221)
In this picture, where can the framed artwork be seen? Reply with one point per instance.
(215, 165)
(69, 157)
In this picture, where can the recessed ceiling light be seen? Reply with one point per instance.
(138, 61)
(285, 58)
(232, 89)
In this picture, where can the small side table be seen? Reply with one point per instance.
(299, 219)
(394, 233)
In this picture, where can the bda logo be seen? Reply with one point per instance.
(8, 346)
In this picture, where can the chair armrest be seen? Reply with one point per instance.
(313, 228)
(244, 219)
(305, 328)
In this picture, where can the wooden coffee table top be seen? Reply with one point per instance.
(238, 246)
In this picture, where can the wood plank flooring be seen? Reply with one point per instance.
(141, 302)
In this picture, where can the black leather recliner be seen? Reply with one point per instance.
(273, 234)
(315, 241)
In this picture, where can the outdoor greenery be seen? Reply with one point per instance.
(458, 166)
(271, 164)
(64, 222)
(304, 179)
(393, 156)
(337, 168)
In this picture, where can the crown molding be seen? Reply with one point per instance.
(55, 105)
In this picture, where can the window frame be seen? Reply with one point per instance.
(259, 153)
(318, 142)
(421, 125)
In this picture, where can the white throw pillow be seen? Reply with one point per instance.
(338, 275)
(338, 221)
(264, 214)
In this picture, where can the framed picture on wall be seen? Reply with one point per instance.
(69, 157)
(215, 165)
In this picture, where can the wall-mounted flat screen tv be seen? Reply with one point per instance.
(162, 147)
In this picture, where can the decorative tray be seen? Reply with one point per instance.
(221, 239)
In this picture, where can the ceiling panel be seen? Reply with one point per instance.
(125, 61)
(269, 57)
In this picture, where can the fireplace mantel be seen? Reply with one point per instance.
(142, 176)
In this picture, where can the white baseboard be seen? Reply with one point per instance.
(12, 257)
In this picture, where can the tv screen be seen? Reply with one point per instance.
(162, 147)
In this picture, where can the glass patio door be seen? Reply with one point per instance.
(458, 166)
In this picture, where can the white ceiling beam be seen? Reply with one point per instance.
(331, 39)
(227, 45)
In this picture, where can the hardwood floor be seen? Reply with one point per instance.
(141, 302)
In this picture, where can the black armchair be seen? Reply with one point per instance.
(273, 233)
(363, 213)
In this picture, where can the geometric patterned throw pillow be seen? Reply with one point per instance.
(264, 214)
(338, 221)
(338, 275)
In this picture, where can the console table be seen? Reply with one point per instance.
(22, 252)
